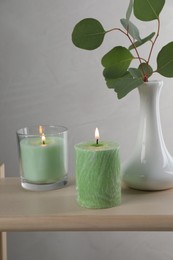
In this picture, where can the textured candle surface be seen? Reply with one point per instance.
(98, 179)
(42, 163)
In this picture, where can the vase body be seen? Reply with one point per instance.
(150, 166)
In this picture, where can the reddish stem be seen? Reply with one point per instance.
(153, 42)
(137, 53)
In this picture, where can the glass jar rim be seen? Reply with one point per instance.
(47, 129)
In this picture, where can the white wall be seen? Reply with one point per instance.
(44, 79)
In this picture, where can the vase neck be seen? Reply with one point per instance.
(150, 127)
(150, 95)
(149, 101)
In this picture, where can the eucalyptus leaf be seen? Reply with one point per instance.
(148, 10)
(145, 69)
(142, 41)
(88, 34)
(129, 10)
(118, 57)
(135, 73)
(165, 61)
(131, 29)
(124, 85)
(114, 72)
(111, 83)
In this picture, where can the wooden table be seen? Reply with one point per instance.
(22, 210)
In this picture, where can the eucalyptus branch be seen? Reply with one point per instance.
(89, 33)
(152, 46)
(142, 59)
(153, 42)
(127, 34)
(131, 41)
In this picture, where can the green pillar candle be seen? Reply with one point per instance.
(98, 181)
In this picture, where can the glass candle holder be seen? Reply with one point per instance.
(43, 157)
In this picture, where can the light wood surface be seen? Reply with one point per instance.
(22, 210)
(3, 235)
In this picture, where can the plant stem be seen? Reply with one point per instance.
(152, 46)
(142, 59)
(137, 53)
(153, 42)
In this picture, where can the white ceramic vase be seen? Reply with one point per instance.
(150, 166)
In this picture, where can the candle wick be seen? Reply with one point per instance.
(44, 142)
(97, 141)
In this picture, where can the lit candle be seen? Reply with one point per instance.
(43, 138)
(43, 158)
(97, 135)
(98, 179)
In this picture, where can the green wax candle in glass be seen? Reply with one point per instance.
(43, 157)
(98, 180)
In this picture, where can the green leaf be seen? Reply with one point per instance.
(142, 41)
(111, 83)
(124, 85)
(148, 10)
(113, 72)
(88, 34)
(131, 29)
(129, 10)
(135, 73)
(165, 61)
(145, 69)
(119, 57)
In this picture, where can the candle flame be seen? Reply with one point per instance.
(40, 130)
(97, 136)
(43, 138)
